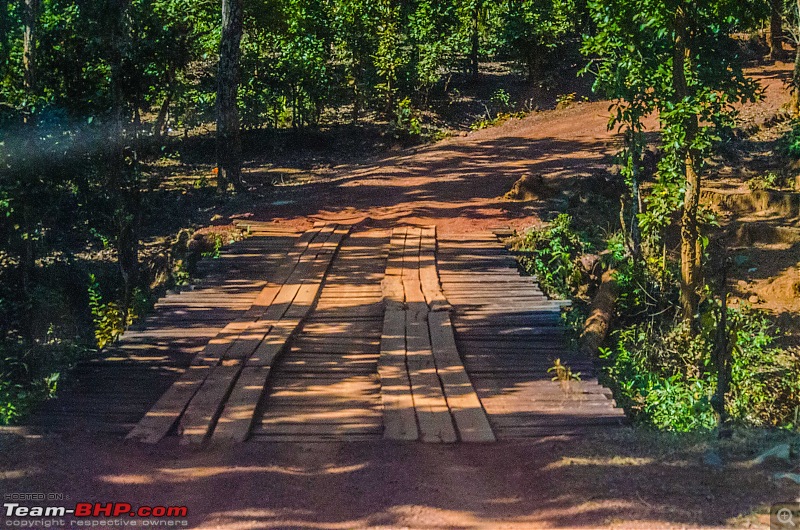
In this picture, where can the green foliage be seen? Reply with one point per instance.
(498, 110)
(768, 181)
(534, 28)
(633, 53)
(555, 250)
(563, 372)
(216, 249)
(664, 379)
(30, 374)
(109, 319)
(564, 101)
(407, 122)
(791, 141)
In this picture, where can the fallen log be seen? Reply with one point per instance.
(601, 314)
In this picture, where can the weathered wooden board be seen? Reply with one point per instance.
(468, 414)
(508, 334)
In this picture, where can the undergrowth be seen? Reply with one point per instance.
(554, 253)
(662, 373)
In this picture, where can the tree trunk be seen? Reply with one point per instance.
(690, 255)
(473, 57)
(690, 236)
(722, 352)
(5, 30)
(796, 74)
(123, 180)
(229, 140)
(30, 10)
(161, 119)
(776, 30)
(635, 149)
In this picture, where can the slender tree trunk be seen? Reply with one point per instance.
(690, 237)
(229, 140)
(356, 101)
(796, 73)
(722, 352)
(30, 10)
(122, 162)
(473, 57)
(636, 200)
(635, 149)
(5, 27)
(776, 30)
(161, 119)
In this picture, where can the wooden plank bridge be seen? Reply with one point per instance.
(342, 333)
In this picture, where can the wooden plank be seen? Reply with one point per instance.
(320, 429)
(239, 411)
(321, 414)
(398, 404)
(207, 403)
(238, 416)
(158, 421)
(392, 284)
(200, 416)
(429, 279)
(316, 438)
(412, 288)
(433, 415)
(274, 343)
(465, 407)
(162, 416)
(247, 341)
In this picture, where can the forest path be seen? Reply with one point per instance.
(618, 479)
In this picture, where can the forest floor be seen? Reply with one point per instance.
(631, 479)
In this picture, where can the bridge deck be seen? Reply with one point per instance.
(342, 333)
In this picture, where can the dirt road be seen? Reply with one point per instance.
(631, 480)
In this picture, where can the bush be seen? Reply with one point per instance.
(791, 141)
(556, 249)
(663, 375)
(771, 180)
(30, 374)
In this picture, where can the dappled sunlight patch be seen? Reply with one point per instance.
(189, 474)
(505, 500)
(614, 461)
(127, 479)
(15, 474)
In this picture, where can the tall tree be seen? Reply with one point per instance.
(532, 28)
(229, 141)
(776, 29)
(475, 39)
(123, 156)
(30, 10)
(686, 68)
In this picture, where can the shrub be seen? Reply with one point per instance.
(769, 181)
(555, 250)
(791, 141)
(663, 375)
(31, 374)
